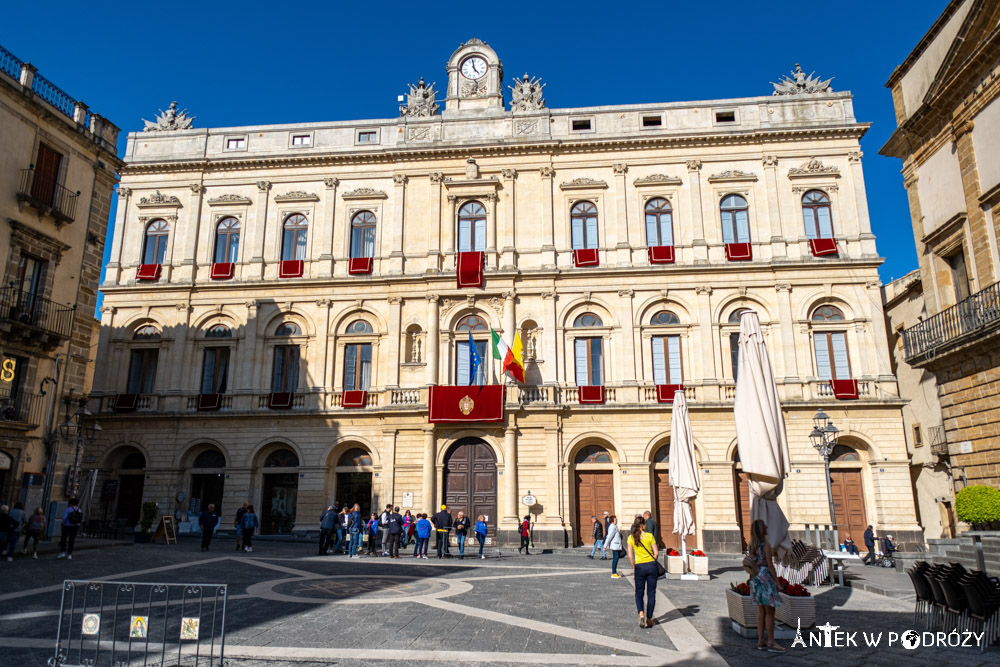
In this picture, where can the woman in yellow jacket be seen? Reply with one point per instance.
(642, 554)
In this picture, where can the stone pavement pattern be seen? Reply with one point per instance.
(288, 606)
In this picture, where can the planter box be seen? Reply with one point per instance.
(796, 608)
(675, 564)
(698, 564)
(741, 609)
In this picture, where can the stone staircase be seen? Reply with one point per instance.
(962, 549)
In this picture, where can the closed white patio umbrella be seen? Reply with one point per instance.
(683, 470)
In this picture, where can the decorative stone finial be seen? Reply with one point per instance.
(526, 94)
(800, 84)
(420, 101)
(171, 119)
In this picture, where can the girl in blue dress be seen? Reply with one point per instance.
(763, 585)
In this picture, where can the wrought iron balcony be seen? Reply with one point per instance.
(45, 194)
(939, 441)
(23, 408)
(962, 322)
(34, 317)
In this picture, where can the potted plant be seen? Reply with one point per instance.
(149, 512)
(675, 562)
(741, 607)
(799, 605)
(698, 562)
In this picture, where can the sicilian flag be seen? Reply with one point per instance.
(510, 358)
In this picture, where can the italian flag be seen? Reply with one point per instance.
(510, 357)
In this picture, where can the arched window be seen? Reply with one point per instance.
(828, 314)
(662, 454)
(146, 332)
(664, 317)
(816, 213)
(588, 320)
(287, 329)
(470, 353)
(227, 240)
(734, 317)
(355, 457)
(583, 225)
(358, 327)
(210, 458)
(281, 458)
(293, 239)
(133, 461)
(219, 331)
(589, 353)
(358, 358)
(471, 227)
(659, 223)
(363, 234)
(832, 360)
(735, 219)
(734, 339)
(593, 454)
(155, 245)
(472, 323)
(843, 453)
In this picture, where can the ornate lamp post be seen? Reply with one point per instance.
(824, 438)
(78, 429)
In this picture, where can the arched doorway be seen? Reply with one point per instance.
(848, 492)
(131, 475)
(208, 480)
(741, 491)
(279, 492)
(470, 481)
(665, 499)
(354, 479)
(595, 488)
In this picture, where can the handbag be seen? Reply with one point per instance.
(661, 571)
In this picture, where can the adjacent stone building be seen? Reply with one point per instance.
(293, 313)
(947, 101)
(58, 168)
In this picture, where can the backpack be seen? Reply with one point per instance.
(75, 517)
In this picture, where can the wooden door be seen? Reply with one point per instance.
(742, 491)
(665, 513)
(130, 498)
(43, 186)
(849, 503)
(470, 482)
(595, 494)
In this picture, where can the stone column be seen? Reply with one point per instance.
(192, 230)
(433, 339)
(247, 359)
(392, 344)
(628, 337)
(103, 373)
(491, 231)
(510, 474)
(623, 248)
(258, 233)
(787, 326)
(389, 466)
(699, 248)
(882, 364)
(508, 259)
(707, 334)
(325, 238)
(323, 341)
(434, 238)
(182, 362)
(449, 234)
(770, 163)
(429, 489)
(550, 349)
(113, 274)
(398, 208)
(548, 223)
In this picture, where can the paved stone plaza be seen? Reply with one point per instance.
(289, 606)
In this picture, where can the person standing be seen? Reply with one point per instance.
(461, 533)
(651, 526)
(763, 585)
(424, 528)
(9, 528)
(249, 525)
(598, 535)
(17, 514)
(354, 527)
(72, 518)
(383, 526)
(208, 520)
(407, 529)
(613, 543)
(870, 544)
(525, 530)
(238, 524)
(327, 524)
(34, 531)
(395, 530)
(481, 534)
(373, 529)
(442, 524)
(343, 534)
(642, 554)
(607, 523)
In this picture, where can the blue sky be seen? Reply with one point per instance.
(264, 62)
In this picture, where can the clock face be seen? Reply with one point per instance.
(474, 68)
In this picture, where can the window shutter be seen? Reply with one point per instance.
(822, 356)
(734, 353)
(581, 362)
(293, 369)
(825, 224)
(369, 243)
(810, 218)
(666, 229)
(480, 236)
(592, 233)
(481, 371)
(464, 236)
(357, 242)
(208, 372)
(674, 357)
(596, 365)
(220, 248)
(366, 367)
(727, 227)
(350, 367)
(278, 372)
(841, 366)
(577, 230)
(652, 238)
(742, 227)
(659, 363)
(287, 241)
(222, 370)
(462, 364)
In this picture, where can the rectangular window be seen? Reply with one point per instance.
(959, 275)
(368, 137)
(302, 140)
(725, 116)
(918, 438)
(734, 352)
(142, 371)
(357, 367)
(832, 344)
(215, 370)
(46, 177)
(29, 284)
(472, 235)
(236, 144)
(735, 226)
(463, 364)
(363, 241)
(667, 360)
(584, 232)
(589, 362)
(583, 124)
(285, 372)
(652, 121)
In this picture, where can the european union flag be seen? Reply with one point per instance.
(474, 361)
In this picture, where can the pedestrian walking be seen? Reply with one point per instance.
(33, 531)
(238, 524)
(613, 543)
(18, 515)
(651, 526)
(424, 529)
(343, 532)
(72, 518)
(525, 530)
(869, 559)
(481, 534)
(598, 535)
(763, 585)
(355, 526)
(407, 529)
(383, 526)
(462, 525)
(9, 528)
(442, 523)
(249, 525)
(642, 554)
(394, 528)
(372, 531)
(327, 530)
(208, 520)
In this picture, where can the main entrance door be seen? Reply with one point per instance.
(278, 497)
(849, 503)
(470, 481)
(355, 487)
(595, 495)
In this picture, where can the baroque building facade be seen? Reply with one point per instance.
(946, 95)
(292, 313)
(58, 169)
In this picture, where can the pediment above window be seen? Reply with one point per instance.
(657, 179)
(364, 193)
(732, 176)
(813, 167)
(583, 183)
(297, 196)
(228, 200)
(159, 200)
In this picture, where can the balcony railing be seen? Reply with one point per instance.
(966, 317)
(10, 64)
(44, 193)
(24, 408)
(939, 441)
(25, 309)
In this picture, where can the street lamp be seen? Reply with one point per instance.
(824, 438)
(78, 429)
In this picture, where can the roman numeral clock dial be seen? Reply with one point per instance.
(474, 68)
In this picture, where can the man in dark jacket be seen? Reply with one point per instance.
(208, 521)
(598, 535)
(394, 527)
(327, 528)
(869, 559)
(651, 525)
(442, 524)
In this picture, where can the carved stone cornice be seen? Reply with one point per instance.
(619, 168)
(331, 183)
(854, 157)
(769, 161)
(657, 179)
(197, 189)
(626, 292)
(508, 174)
(703, 289)
(732, 176)
(323, 303)
(228, 200)
(472, 187)
(297, 196)
(436, 177)
(364, 193)
(395, 300)
(399, 179)
(264, 186)
(813, 167)
(694, 165)
(160, 200)
(124, 192)
(783, 287)
(583, 183)
(546, 172)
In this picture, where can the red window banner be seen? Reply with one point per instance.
(290, 268)
(591, 394)
(280, 400)
(360, 266)
(586, 257)
(821, 247)
(223, 271)
(148, 272)
(126, 402)
(844, 390)
(739, 252)
(209, 402)
(470, 269)
(665, 392)
(354, 399)
(661, 254)
(449, 403)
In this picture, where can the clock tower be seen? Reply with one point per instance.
(475, 75)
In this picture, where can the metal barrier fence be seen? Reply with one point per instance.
(117, 624)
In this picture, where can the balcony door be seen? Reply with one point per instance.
(43, 186)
